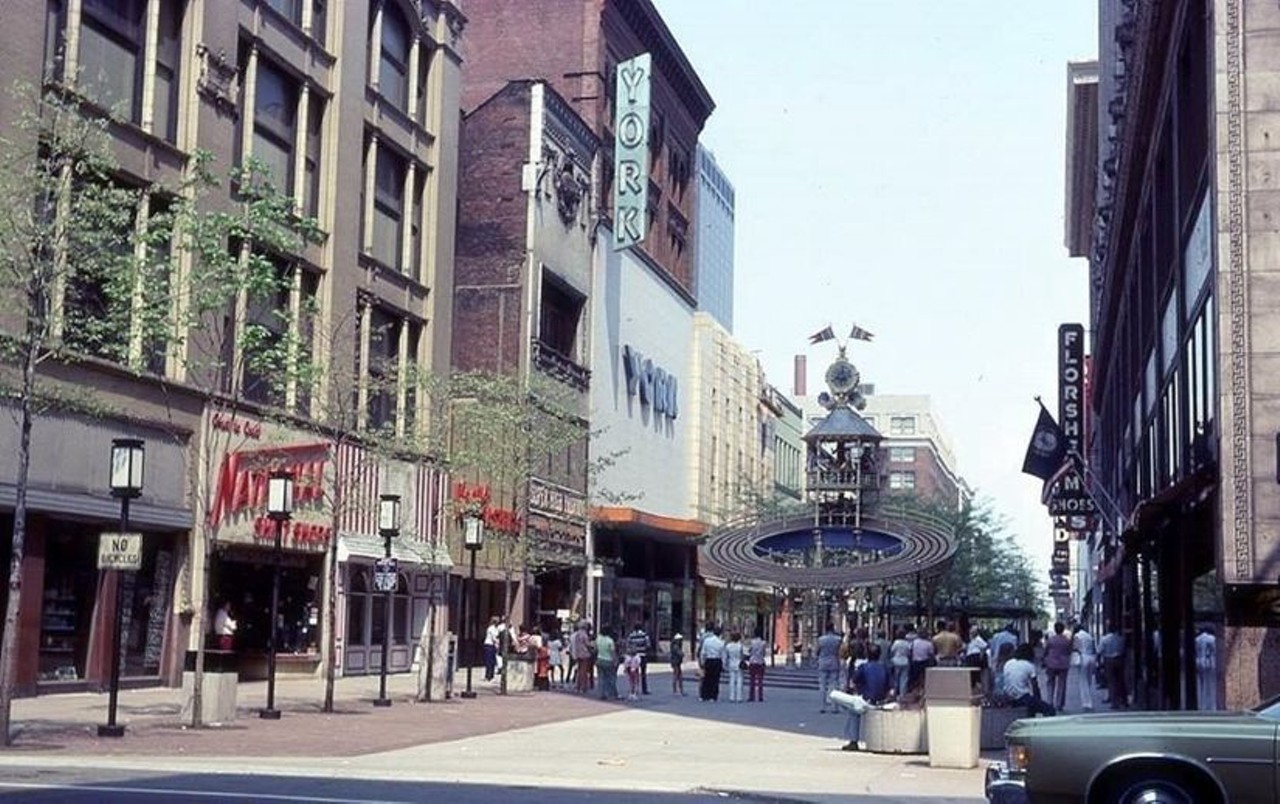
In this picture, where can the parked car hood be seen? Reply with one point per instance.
(1130, 720)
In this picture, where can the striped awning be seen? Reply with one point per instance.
(405, 551)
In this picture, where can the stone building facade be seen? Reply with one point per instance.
(352, 107)
(1182, 254)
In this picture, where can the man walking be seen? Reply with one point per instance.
(580, 655)
(638, 644)
(1111, 651)
(828, 665)
(491, 636)
(1057, 664)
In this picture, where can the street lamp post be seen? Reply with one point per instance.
(597, 578)
(888, 610)
(279, 510)
(919, 597)
(389, 527)
(473, 540)
(128, 457)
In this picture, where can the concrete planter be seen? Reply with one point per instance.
(995, 721)
(519, 673)
(895, 731)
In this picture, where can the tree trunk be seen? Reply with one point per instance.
(331, 599)
(506, 608)
(200, 606)
(8, 646)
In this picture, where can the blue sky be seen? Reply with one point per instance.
(900, 164)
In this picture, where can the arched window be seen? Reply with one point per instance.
(393, 68)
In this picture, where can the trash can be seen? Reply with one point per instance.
(953, 717)
(518, 671)
(218, 692)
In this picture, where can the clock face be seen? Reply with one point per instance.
(842, 376)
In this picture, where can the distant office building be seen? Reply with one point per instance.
(731, 426)
(788, 446)
(917, 456)
(713, 247)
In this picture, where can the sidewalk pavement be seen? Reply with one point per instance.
(660, 743)
(152, 717)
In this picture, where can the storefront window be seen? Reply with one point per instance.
(70, 588)
(145, 613)
(243, 576)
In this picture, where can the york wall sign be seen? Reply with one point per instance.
(655, 386)
(631, 152)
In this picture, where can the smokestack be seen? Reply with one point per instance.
(798, 385)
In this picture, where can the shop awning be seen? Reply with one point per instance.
(405, 551)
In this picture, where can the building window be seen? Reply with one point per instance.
(111, 54)
(558, 319)
(275, 114)
(388, 208)
(168, 57)
(393, 64)
(902, 454)
(319, 18)
(902, 425)
(903, 481)
(289, 9)
(116, 302)
(415, 268)
(384, 360)
(113, 57)
(276, 342)
(413, 334)
(263, 340)
(311, 162)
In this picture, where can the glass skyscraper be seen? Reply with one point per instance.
(714, 245)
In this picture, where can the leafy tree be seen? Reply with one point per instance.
(989, 568)
(65, 231)
(499, 431)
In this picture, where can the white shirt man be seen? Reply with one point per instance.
(1021, 686)
(712, 662)
(712, 647)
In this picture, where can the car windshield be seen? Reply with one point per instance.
(1269, 709)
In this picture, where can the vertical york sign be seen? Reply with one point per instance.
(631, 152)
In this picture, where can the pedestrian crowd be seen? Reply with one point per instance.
(1007, 669)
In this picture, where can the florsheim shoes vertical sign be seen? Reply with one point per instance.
(631, 152)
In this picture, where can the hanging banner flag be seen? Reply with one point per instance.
(631, 152)
(1046, 452)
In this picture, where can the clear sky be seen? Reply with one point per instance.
(900, 164)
